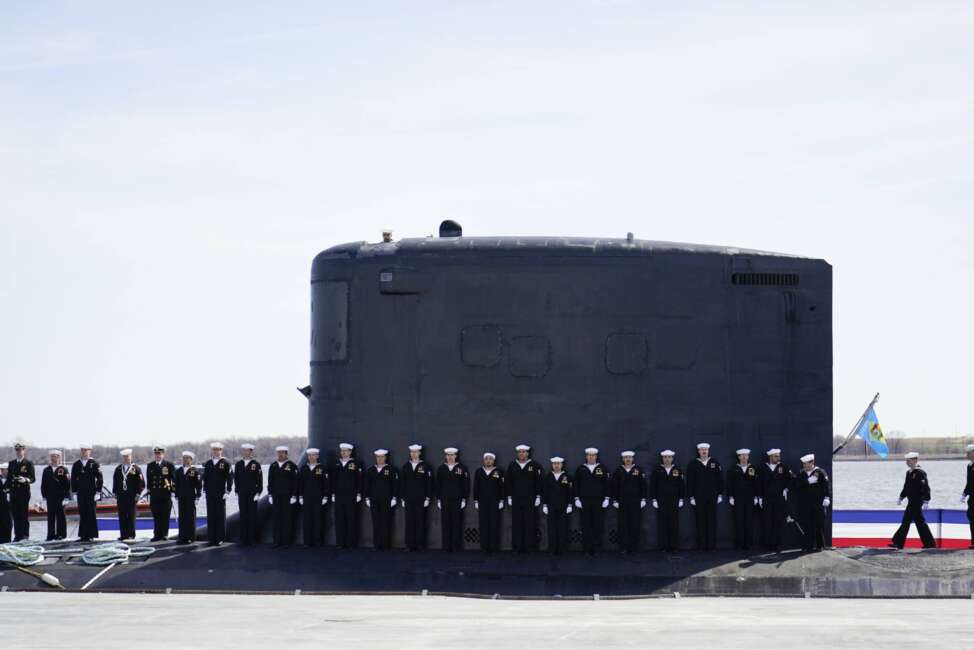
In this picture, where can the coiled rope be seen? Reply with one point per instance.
(113, 553)
(27, 553)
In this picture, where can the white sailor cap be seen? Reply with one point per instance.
(489, 454)
(523, 448)
(450, 450)
(591, 450)
(627, 454)
(772, 452)
(381, 452)
(346, 445)
(125, 452)
(86, 445)
(4, 465)
(969, 448)
(283, 448)
(415, 447)
(667, 452)
(742, 450)
(216, 445)
(807, 458)
(247, 445)
(703, 445)
(187, 452)
(557, 459)
(51, 452)
(910, 455)
(312, 450)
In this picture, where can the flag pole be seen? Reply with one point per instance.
(852, 433)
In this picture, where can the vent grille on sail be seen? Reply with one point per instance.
(765, 279)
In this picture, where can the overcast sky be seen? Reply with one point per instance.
(168, 172)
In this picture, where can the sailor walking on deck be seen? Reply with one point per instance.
(916, 491)
(968, 495)
(160, 475)
(813, 497)
(415, 492)
(346, 494)
(248, 483)
(381, 497)
(774, 478)
(705, 486)
(523, 487)
(282, 486)
(452, 487)
(556, 499)
(629, 494)
(128, 483)
(313, 491)
(56, 491)
(189, 488)
(488, 500)
(743, 495)
(667, 490)
(217, 483)
(20, 476)
(86, 483)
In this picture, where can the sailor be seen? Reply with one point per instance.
(743, 495)
(346, 493)
(774, 477)
(452, 487)
(56, 491)
(313, 491)
(127, 485)
(5, 524)
(217, 483)
(160, 475)
(705, 486)
(592, 499)
(189, 487)
(967, 496)
(282, 488)
(20, 476)
(488, 500)
(557, 493)
(916, 491)
(415, 491)
(86, 483)
(248, 483)
(381, 496)
(667, 490)
(813, 496)
(628, 489)
(523, 487)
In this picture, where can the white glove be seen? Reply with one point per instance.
(439, 505)
(393, 501)
(63, 501)
(324, 500)
(899, 501)
(426, 502)
(476, 505)
(270, 499)
(544, 508)
(615, 504)
(642, 504)
(293, 500)
(403, 504)
(720, 499)
(756, 499)
(730, 500)
(500, 504)
(510, 501)
(301, 500)
(98, 496)
(368, 502)
(826, 502)
(784, 493)
(257, 497)
(656, 504)
(463, 503)
(605, 502)
(679, 503)
(693, 501)
(578, 503)
(358, 498)
(225, 495)
(963, 498)
(926, 504)
(568, 509)
(537, 501)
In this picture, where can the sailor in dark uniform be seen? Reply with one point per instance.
(313, 491)
(667, 490)
(523, 486)
(282, 486)
(452, 486)
(592, 498)
(743, 493)
(705, 486)
(20, 476)
(967, 496)
(488, 500)
(346, 493)
(160, 475)
(5, 523)
(128, 483)
(381, 496)
(217, 483)
(557, 493)
(86, 483)
(812, 494)
(774, 478)
(916, 491)
(189, 488)
(56, 491)
(248, 483)
(415, 491)
(628, 490)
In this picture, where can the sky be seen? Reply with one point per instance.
(168, 172)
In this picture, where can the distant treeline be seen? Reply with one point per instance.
(264, 450)
(952, 446)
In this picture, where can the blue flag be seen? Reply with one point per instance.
(870, 431)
